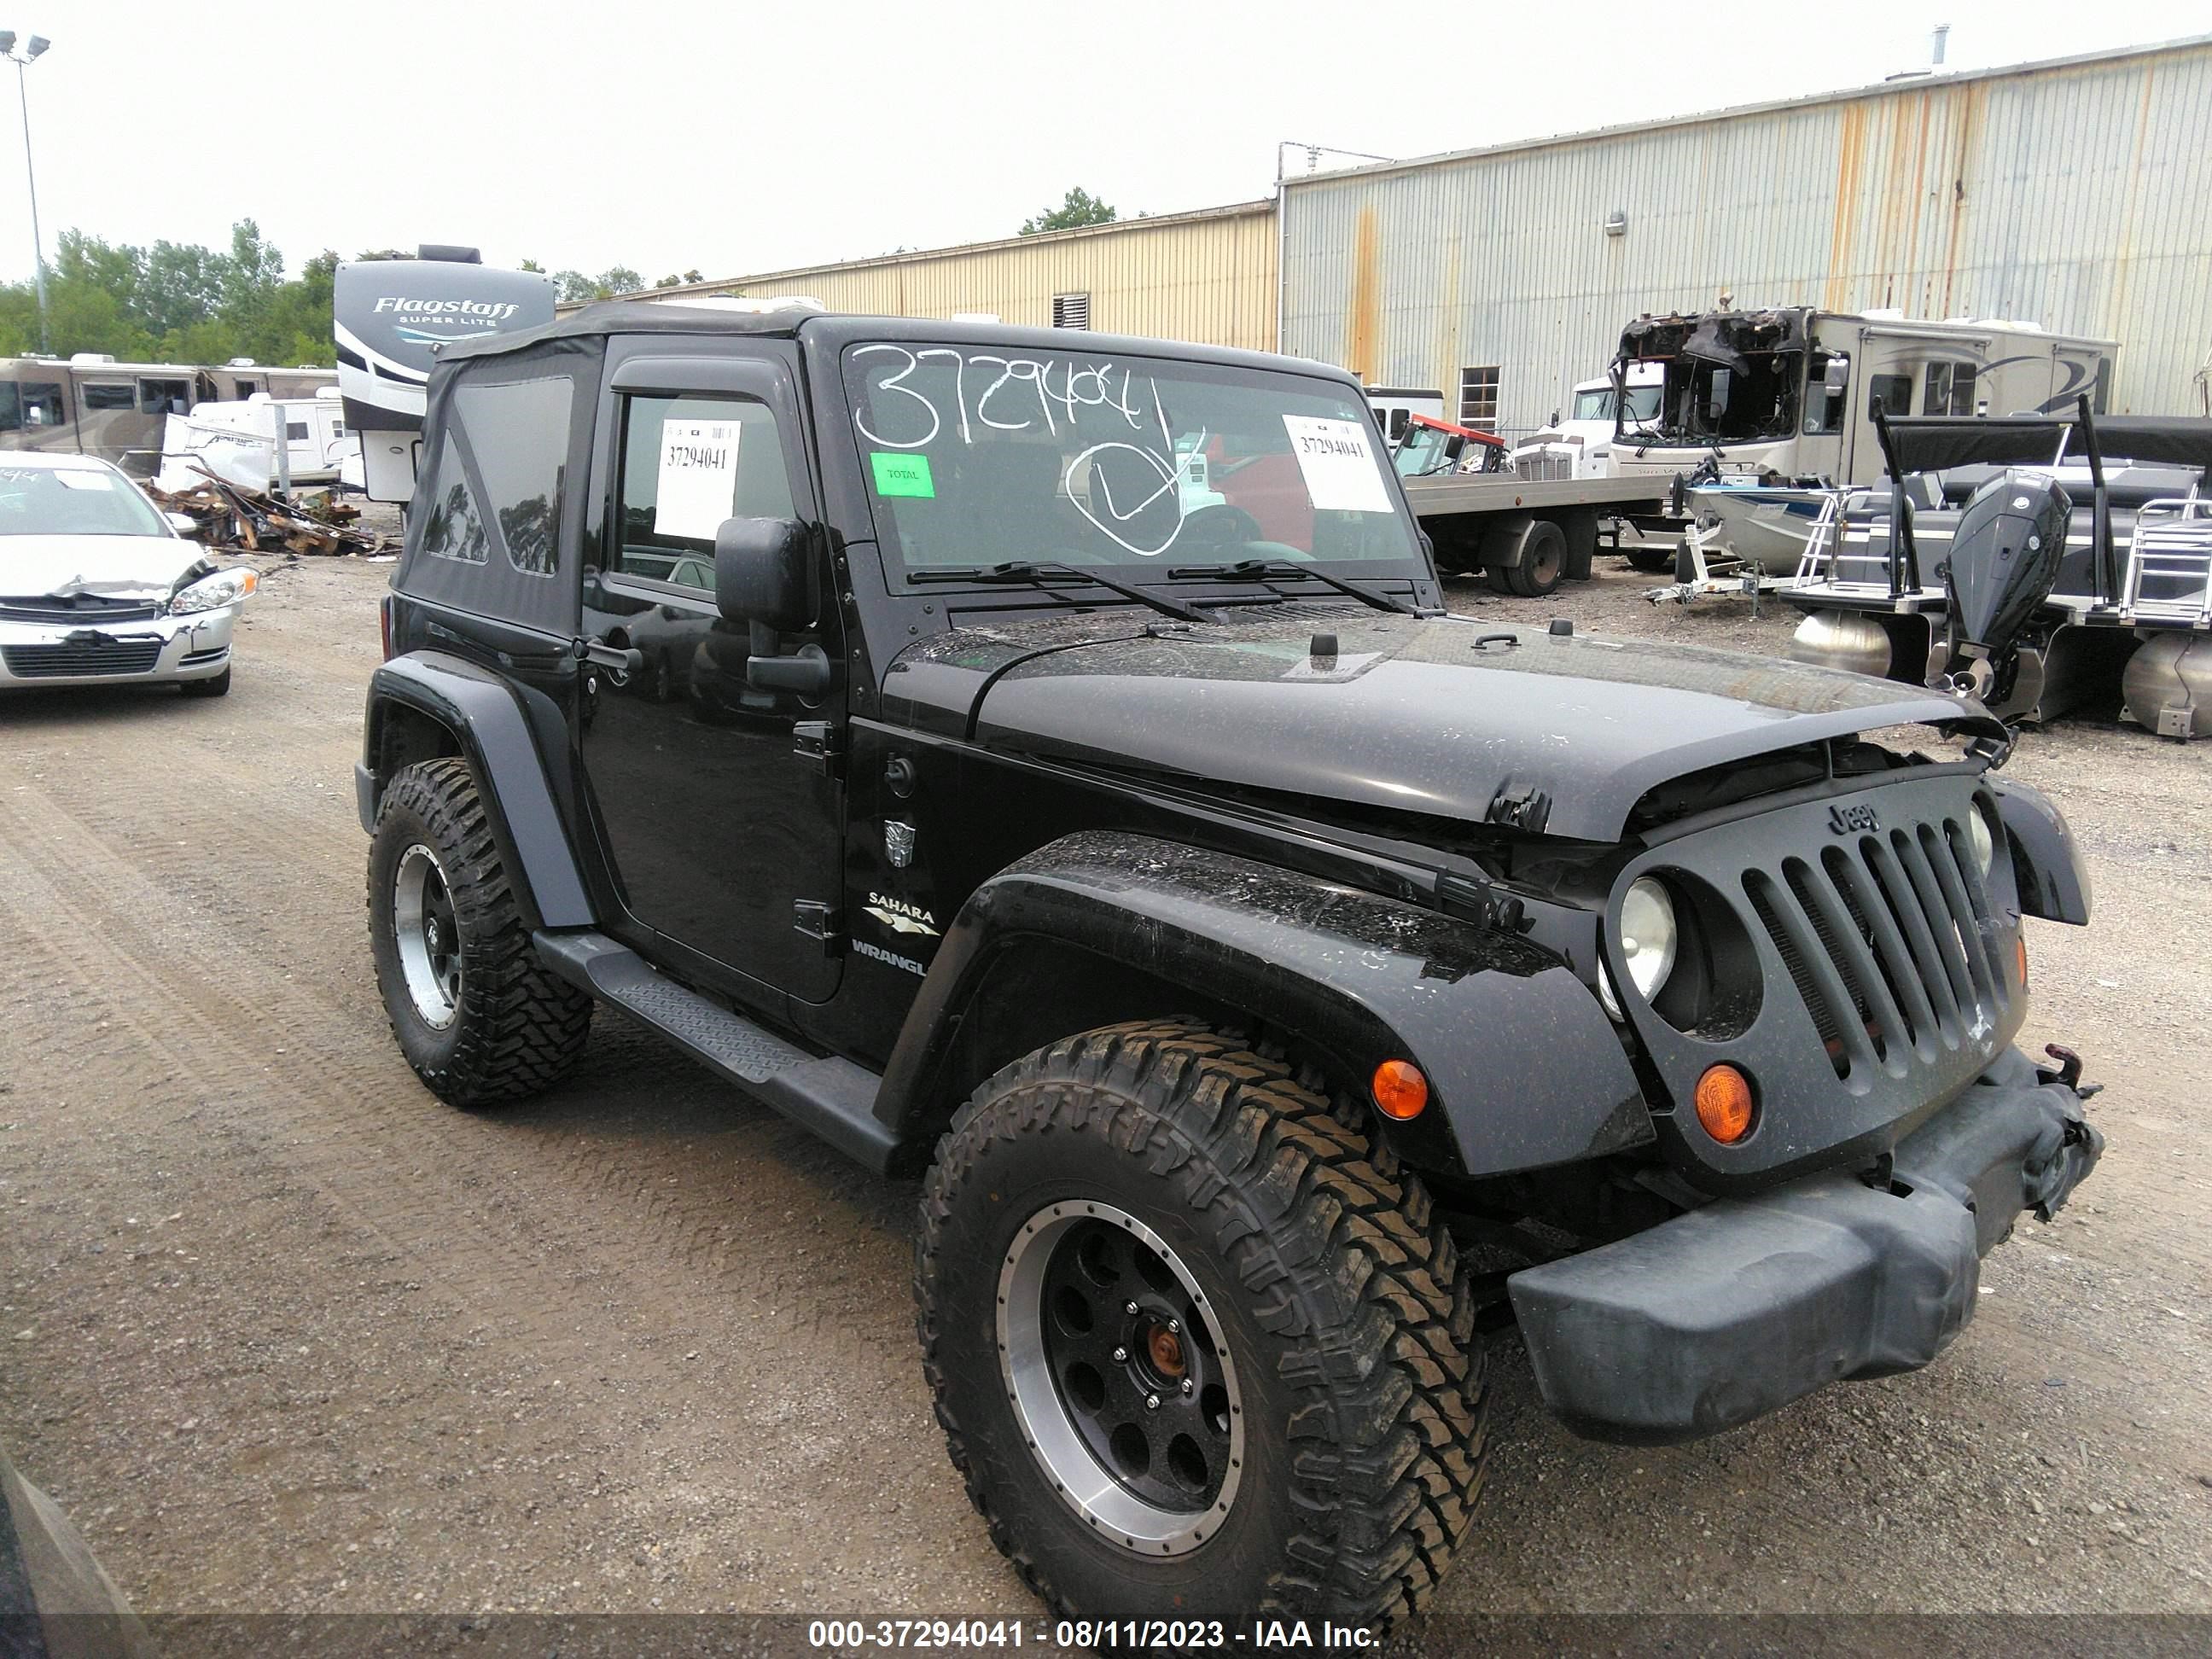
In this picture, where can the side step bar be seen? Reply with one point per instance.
(833, 1098)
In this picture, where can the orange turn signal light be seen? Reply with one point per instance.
(1724, 1104)
(2020, 958)
(1399, 1089)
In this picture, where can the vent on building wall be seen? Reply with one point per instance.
(1071, 311)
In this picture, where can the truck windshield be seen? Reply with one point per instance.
(975, 458)
(1596, 403)
(1752, 398)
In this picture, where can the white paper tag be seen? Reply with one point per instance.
(83, 480)
(698, 478)
(1340, 470)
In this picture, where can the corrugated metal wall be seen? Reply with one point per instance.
(2075, 195)
(1207, 277)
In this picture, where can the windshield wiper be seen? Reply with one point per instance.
(1275, 570)
(1040, 574)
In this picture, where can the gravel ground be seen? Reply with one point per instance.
(284, 1333)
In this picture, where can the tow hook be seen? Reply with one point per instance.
(2070, 1070)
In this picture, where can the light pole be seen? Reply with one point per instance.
(32, 49)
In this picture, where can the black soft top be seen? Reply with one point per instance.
(608, 317)
(1934, 443)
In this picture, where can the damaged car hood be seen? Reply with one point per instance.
(1454, 718)
(112, 567)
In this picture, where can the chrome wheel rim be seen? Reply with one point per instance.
(429, 941)
(1124, 1389)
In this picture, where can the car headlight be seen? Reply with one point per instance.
(1649, 938)
(1979, 837)
(211, 593)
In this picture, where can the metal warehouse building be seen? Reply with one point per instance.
(2074, 193)
(1207, 276)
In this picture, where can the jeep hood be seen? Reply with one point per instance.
(113, 567)
(1451, 717)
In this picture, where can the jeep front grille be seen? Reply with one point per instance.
(1889, 941)
(67, 660)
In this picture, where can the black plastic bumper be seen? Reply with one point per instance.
(1731, 1310)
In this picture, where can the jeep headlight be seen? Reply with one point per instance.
(212, 593)
(1648, 940)
(1978, 836)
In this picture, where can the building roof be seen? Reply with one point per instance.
(1899, 83)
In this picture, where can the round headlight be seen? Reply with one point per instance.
(1649, 938)
(1978, 836)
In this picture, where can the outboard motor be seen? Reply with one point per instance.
(2004, 559)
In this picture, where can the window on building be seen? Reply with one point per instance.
(1071, 311)
(1950, 390)
(1478, 396)
(101, 394)
(1891, 393)
(519, 433)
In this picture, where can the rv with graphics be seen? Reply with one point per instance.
(1790, 393)
(390, 317)
(91, 404)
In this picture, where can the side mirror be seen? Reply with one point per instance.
(1837, 373)
(183, 523)
(761, 573)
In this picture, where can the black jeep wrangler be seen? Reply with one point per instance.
(1042, 762)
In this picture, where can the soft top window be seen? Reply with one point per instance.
(518, 434)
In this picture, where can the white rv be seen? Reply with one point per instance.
(1790, 393)
(1581, 447)
(390, 317)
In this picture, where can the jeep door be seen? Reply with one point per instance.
(722, 840)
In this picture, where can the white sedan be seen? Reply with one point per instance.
(97, 587)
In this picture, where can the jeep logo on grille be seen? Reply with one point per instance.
(1848, 820)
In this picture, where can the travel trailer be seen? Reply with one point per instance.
(236, 442)
(390, 317)
(93, 405)
(1789, 395)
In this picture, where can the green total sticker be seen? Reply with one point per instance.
(903, 475)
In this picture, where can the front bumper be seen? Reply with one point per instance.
(156, 650)
(1727, 1312)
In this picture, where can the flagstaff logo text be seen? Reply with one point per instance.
(486, 310)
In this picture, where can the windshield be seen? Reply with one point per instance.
(79, 501)
(977, 457)
(1596, 405)
(1423, 451)
(1752, 398)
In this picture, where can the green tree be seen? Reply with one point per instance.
(1080, 207)
(532, 264)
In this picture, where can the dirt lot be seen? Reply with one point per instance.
(283, 1333)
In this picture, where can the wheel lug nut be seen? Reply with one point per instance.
(1187, 1385)
(1121, 1356)
(1152, 1402)
(1175, 1325)
(1129, 1307)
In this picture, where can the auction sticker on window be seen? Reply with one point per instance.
(1338, 462)
(698, 478)
(902, 474)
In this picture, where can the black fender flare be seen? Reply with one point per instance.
(2047, 865)
(493, 733)
(1524, 1070)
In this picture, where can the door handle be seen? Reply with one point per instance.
(607, 656)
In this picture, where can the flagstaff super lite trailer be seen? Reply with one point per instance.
(390, 317)
(92, 405)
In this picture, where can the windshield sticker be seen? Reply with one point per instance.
(903, 475)
(698, 478)
(84, 480)
(1339, 465)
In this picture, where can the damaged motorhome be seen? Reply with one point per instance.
(2022, 561)
(1790, 394)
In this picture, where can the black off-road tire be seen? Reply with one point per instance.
(1335, 1291)
(517, 1028)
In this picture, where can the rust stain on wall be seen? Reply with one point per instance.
(1969, 121)
(1363, 323)
(1850, 159)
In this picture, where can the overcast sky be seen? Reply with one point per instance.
(741, 137)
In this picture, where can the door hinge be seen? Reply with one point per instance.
(822, 922)
(821, 744)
